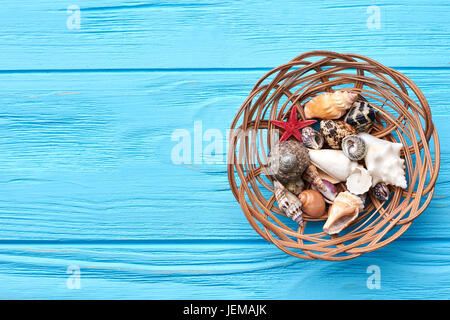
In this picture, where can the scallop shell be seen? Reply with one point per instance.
(330, 105)
(343, 212)
(383, 161)
(354, 147)
(360, 181)
(288, 203)
(361, 116)
(312, 139)
(335, 131)
(312, 176)
(288, 160)
(313, 203)
(333, 162)
(381, 191)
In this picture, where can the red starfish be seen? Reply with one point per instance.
(292, 126)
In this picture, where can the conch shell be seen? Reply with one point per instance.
(343, 212)
(288, 203)
(383, 161)
(330, 105)
(333, 162)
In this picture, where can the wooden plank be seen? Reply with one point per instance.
(218, 34)
(87, 156)
(408, 270)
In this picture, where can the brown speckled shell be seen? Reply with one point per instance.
(287, 161)
(335, 131)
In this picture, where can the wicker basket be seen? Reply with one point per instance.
(403, 116)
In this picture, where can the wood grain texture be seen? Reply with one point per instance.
(409, 270)
(218, 34)
(88, 156)
(86, 176)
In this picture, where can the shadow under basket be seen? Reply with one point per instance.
(403, 115)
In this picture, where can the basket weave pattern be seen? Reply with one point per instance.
(403, 116)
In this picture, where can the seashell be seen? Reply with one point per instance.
(311, 175)
(343, 212)
(330, 192)
(354, 147)
(295, 186)
(381, 191)
(383, 161)
(288, 160)
(330, 105)
(312, 139)
(288, 203)
(326, 176)
(360, 181)
(313, 203)
(361, 116)
(333, 162)
(334, 131)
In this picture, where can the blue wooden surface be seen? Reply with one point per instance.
(86, 177)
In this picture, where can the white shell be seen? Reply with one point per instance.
(288, 203)
(383, 161)
(359, 181)
(333, 162)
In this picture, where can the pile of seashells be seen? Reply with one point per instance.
(341, 151)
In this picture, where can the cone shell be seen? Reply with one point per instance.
(330, 105)
(334, 131)
(313, 203)
(361, 116)
(312, 139)
(288, 203)
(287, 161)
(343, 212)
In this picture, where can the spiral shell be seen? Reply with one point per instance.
(312, 176)
(381, 191)
(335, 131)
(295, 186)
(288, 203)
(330, 105)
(354, 147)
(287, 161)
(312, 139)
(361, 116)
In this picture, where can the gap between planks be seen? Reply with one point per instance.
(131, 70)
